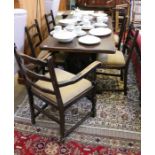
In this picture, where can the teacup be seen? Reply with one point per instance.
(86, 23)
(78, 28)
(86, 18)
(57, 28)
(70, 27)
(105, 19)
(100, 19)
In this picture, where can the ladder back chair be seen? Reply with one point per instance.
(59, 57)
(34, 39)
(50, 21)
(58, 89)
(118, 38)
(120, 60)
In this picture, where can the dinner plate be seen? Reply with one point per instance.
(66, 22)
(100, 31)
(100, 25)
(64, 36)
(89, 40)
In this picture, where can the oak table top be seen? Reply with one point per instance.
(107, 45)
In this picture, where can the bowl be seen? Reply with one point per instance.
(64, 36)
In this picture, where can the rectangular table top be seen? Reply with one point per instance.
(107, 45)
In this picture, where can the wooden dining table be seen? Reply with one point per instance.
(107, 45)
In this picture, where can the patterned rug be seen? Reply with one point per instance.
(117, 122)
(33, 144)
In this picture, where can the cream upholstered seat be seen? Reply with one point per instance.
(43, 54)
(116, 60)
(67, 92)
(58, 89)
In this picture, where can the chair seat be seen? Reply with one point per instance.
(67, 92)
(116, 38)
(43, 54)
(112, 60)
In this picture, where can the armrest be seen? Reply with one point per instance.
(81, 74)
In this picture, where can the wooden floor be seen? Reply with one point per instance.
(19, 92)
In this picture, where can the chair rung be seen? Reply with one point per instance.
(38, 112)
(77, 124)
(48, 115)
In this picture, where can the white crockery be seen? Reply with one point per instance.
(100, 14)
(80, 33)
(66, 22)
(100, 25)
(57, 28)
(64, 36)
(70, 27)
(89, 40)
(100, 31)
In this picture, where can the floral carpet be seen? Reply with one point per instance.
(117, 122)
(33, 144)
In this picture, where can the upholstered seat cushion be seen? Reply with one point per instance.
(116, 38)
(115, 60)
(43, 54)
(67, 92)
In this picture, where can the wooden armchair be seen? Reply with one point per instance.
(120, 60)
(58, 89)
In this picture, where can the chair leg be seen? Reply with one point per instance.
(62, 124)
(31, 102)
(125, 83)
(93, 100)
(121, 74)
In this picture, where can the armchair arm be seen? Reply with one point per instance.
(81, 74)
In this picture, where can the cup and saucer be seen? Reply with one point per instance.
(57, 29)
(87, 25)
(79, 32)
(70, 27)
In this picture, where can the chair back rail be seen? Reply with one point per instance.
(34, 37)
(31, 76)
(130, 43)
(50, 21)
(122, 31)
